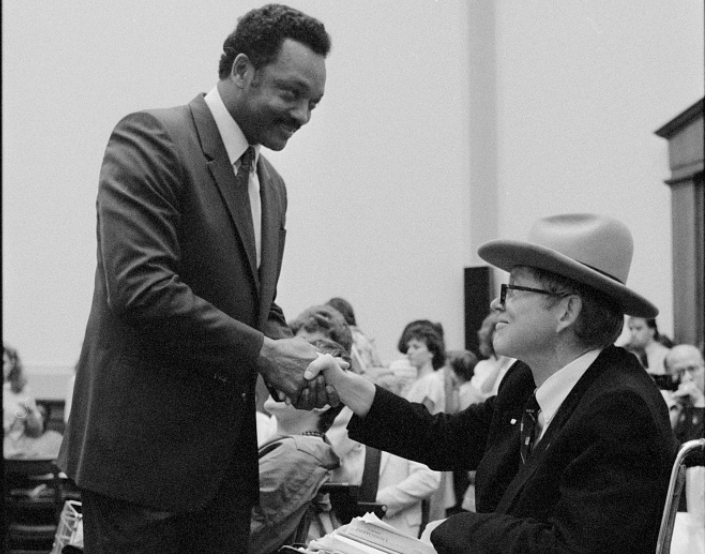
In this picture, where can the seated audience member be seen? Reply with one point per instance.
(574, 453)
(462, 364)
(425, 349)
(322, 321)
(685, 365)
(293, 464)
(403, 485)
(363, 353)
(404, 374)
(23, 421)
(490, 371)
(644, 343)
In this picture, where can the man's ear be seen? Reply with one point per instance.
(570, 306)
(242, 70)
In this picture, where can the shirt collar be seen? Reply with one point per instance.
(551, 394)
(233, 137)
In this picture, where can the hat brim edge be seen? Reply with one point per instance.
(506, 254)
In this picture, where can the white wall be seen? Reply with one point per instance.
(582, 88)
(380, 180)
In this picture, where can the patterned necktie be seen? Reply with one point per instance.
(243, 172)
(528, 427)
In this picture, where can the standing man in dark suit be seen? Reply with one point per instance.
(191, 226)
(575, 451)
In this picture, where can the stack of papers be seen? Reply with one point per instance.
(370, 535)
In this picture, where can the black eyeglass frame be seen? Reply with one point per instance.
(505, 288)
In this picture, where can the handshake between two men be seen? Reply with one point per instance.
(302, 376)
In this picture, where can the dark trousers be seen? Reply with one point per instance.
(112, 526)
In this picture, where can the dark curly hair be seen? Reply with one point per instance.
(260, 33)
(431, 334)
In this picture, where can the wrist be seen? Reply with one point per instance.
(265, 356)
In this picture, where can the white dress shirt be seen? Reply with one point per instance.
(235, 145)
(551, 394)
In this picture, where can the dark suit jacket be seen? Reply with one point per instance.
(164, 394)
(595, 483)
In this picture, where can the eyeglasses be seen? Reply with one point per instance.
(505, 288)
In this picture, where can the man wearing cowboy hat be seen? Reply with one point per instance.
(585, 467)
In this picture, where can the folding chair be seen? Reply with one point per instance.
(675, 488)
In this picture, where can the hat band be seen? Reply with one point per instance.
(603, 273)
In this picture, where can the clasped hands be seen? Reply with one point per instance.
(296, 370)
(317, 391)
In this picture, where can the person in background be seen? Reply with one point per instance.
(490, 371)
(162, 439)
(322, 322)
(686, 366)
(403, 486)
(293, 464)
(23, 420)
(574, 453)
(401, 373)
(462, 364)
(364, 354)
(424, 347)
(644, 343)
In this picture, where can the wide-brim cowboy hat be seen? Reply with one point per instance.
(591, 249)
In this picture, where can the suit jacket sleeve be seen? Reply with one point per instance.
(442, 442)
(142, 185)
(604, 499)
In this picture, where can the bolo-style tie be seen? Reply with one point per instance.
(528, 427)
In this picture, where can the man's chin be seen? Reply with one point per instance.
(275, 143)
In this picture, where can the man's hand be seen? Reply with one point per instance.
(282, 364)
(355, 391)
(688, 392)
(328, 366)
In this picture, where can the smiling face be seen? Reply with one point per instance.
(274, 101)
(526, 329)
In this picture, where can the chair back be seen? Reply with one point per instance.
(675, 488)
(33, 501)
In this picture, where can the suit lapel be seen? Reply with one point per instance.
(271, 223)
(224, 177)
(559, 420)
